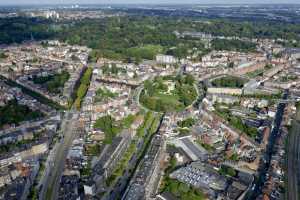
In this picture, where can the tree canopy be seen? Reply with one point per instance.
(14, 113)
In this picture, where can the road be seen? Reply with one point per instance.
(137, 97)
(293, 159)
(51, 183)
(266, 162)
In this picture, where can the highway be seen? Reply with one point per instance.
(51, 184)
(293, 159)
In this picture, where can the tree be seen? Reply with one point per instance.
(149, 88)
(106, 124)
(14, 113)
(77, 103)
(83, 87)
(186, 123)
(81, 90)
(233, 45)
(189, 79)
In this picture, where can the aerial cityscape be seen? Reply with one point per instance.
(149, 101)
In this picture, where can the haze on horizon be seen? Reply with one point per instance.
(41, 2)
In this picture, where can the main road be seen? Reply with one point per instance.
(293, 159)
(51, 184)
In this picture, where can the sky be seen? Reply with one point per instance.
(22, 2)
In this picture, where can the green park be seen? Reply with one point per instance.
(168, 93)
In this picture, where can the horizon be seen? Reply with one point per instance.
(141, 2)
(139, 99)
(145, 4)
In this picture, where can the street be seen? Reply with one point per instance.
(51, 183)
(265, 163)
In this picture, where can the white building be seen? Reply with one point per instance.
(166, 59)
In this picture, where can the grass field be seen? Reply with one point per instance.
(168, 98)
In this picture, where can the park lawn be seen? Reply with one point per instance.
(171, 100)
(164, 95)
(168, 98)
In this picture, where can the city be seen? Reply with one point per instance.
(154, 102)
